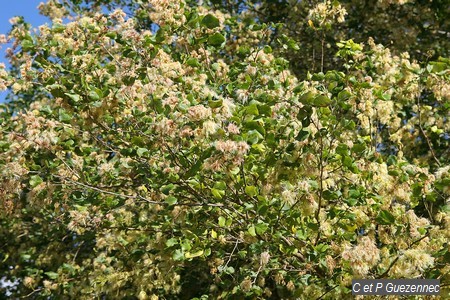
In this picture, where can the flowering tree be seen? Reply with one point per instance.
(172, 152)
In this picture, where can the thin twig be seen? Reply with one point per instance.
(232, 252)
(322, 52)
(419, 112)
(389, 268)
(78, 250)
(323, 295)
(138, 197)
(35, 291)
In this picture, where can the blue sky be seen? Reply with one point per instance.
(27, 9)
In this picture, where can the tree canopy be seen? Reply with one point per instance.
(270, 149)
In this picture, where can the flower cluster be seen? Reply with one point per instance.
(167, 12)
(363, 256)
(326, 13)
(53, 9)
(412, 263)
(230, 154)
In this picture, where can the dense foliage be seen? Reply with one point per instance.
(225, 149)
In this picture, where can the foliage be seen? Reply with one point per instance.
(187, 159)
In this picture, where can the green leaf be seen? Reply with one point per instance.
(122, 241)
(58, 28)
(222, 221)
(267, 49)
(306, 98)
(385, 218)
(349, 124)
(265, 110)
(342, 149)
(252, 110)
(129, 53)
(178, 255)
(186, 245)
(112, 35)
(216, 39)
(299, 88)
(27, 45)
(97, 104)
(391, 160)
(314, 184)
(4, 145)
(111, 202)
(141, 151)
(160, 35)
(217, 194)
(210, 21)
(64, 116)
(321, 248)
(51, 275)
(331, 195)
(321, 100)
(192, 255)
(446, 208)
(193, 62)
(344, 95)
(227, 270)
(436, 67)
(46, 109)
(74, 97)
(25, 256)
(251, 230)
(386, 96)
(251, 190)
(304, 115)
(165, 189)
(256, 126)
(93, 95)
(318, 76)
(358, 148)
(195, 168)
(351, 201)
(394, 173)
(69, 268)
(253, 137)
(220, 185)
(347, 161)
(137, 140)
(128, 80)
(171, 200)
(352, 193)
(171, 242)
(242, 253)
(302, 135)
(422, 230)
(260, 148)
(35, 180)
(261, 228)
(215, 104)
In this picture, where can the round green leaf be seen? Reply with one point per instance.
(210, 21)
(171, 200)
(217, 39)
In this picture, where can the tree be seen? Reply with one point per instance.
(177, 151)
